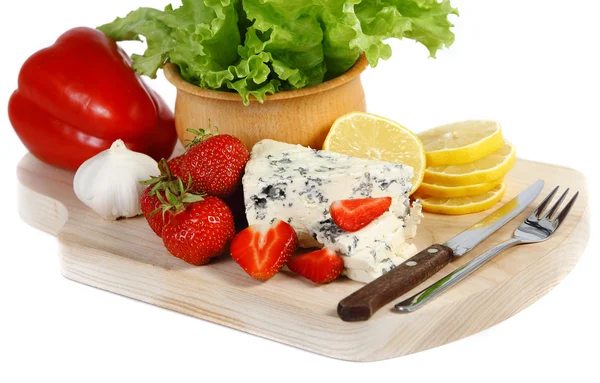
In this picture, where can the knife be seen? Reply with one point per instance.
(363, 303)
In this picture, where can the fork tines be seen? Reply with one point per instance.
(552, 212)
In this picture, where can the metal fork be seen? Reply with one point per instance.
(538, 227)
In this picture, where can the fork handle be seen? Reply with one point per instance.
(413, 303)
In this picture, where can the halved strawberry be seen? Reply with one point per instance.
(321, 266)
(354, 214)
(262, 250)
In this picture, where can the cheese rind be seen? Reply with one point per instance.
(297, 185)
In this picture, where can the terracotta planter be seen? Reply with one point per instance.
(300, 116)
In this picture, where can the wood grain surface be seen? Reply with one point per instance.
(125, 257)
(319, 105)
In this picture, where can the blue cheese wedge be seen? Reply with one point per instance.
(404, 252)
(372, 251)
(297, 185)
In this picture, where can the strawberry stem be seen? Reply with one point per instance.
(178, 200)
(177, 195)
(200, 135)
(165, 181)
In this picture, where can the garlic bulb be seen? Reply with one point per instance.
(109, 183)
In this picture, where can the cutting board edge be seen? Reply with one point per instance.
(55, 214)
(519, 300)
(516, 304)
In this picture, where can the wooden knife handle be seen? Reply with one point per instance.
(363, 303)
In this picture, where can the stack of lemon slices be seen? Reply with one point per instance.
(458, 168)
(466, 165)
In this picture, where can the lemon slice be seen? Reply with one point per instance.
(373, 137)
(433, 190)
(488, 169)
(464, 205)
(461, 142)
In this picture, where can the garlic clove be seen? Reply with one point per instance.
(109, 183)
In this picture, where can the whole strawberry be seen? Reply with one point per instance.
(177, 169)
(153, 198)
(216, 164)
(199, 231)
(151, 206)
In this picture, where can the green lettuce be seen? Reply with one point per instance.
(260, 47)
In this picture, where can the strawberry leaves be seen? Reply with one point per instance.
(165, 181)
(176, 194)
(200, 135)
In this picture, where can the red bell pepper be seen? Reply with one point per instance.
(78, 96)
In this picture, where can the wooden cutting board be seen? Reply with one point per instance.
(125, 257)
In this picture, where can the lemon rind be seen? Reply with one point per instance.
(466, 154)
(442, 191)
(478, 177)
(465, 209)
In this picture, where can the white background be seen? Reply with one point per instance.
(532, 64)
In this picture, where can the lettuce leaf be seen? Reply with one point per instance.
(260, 47)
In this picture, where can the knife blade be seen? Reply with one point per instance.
(363, 303)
